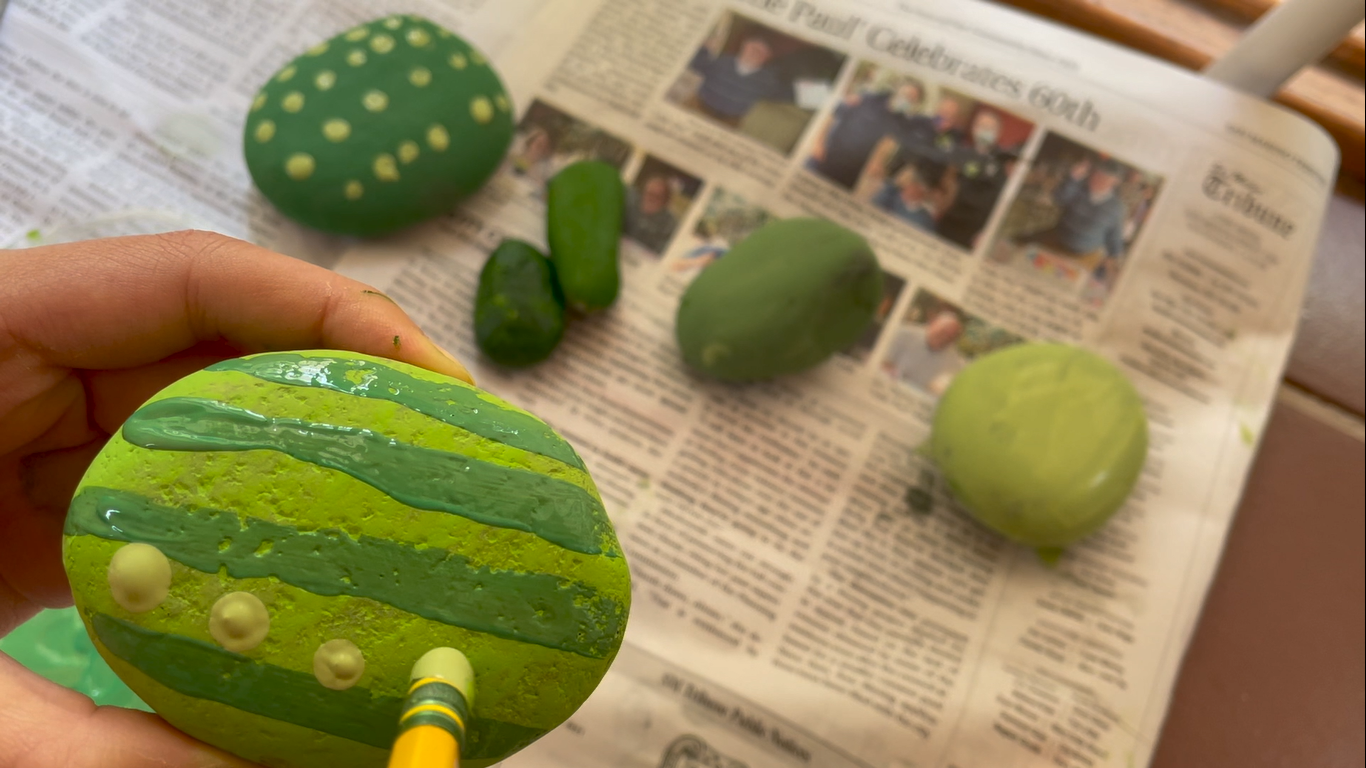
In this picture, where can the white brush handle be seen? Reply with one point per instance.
(1284, 40)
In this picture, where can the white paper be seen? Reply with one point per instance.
(781, 575)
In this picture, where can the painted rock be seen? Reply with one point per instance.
(518, 307)
(781, 301)
(378, 128)
(267, 546)
(1041, 442)
(585, 207)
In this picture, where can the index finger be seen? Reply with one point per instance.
(128, 301)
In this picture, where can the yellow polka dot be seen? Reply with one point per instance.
(443, 32)
(338, 664)
(420, 76)
(258, 102)
(239, 621)
(299, 166)
(356, 57)
(317, 50)
(457, 61)
(502, 101)
(386, 168)
(393, 22)
(292, 102)
(139, 577)
(265, 131)
(481, 109)
(478, 58)
(417, 37)
(325, 79)
(381, 43)
(375, 101)
(336, 129)
(353, 190)
(438, 138)
(359, 33)
(407, 152)
(287, 73)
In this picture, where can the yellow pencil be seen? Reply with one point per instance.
(431, 731)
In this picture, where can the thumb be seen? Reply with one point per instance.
(43, 725)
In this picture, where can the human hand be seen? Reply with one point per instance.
(88, 332)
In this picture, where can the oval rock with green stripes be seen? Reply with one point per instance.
(357, 499)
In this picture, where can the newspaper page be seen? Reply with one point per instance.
(125, 116)
(805, 593)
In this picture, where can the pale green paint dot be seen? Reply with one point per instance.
(443, 33)
(438, 138)
(407, 152)
(502, 101)
(420, 76)
(317, 50)
(336, 129)
(356, 57)
(458, 61)
(265, 131)
(359, 33)
(386, 168)
(239, 621)
(292, 102)
(287, 74)
(258, 102)
(300, 166)
(418, 37)
(381, 43)
(375, 101)
(1248, 436)
(481, 110)
(139, 577)
(478, 58)
(325, 79)
(393, 22)
(353, 190)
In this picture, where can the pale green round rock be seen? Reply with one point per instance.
(1041, 442)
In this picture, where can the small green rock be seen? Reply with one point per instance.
(518, 309)
(1041, 442)
(381, 127)
(585, 207)
(782, 300)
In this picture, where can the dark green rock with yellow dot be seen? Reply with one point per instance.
(378, 128)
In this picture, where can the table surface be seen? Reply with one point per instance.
(1274, 676)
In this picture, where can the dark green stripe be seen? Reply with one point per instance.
(194, 668)
(454, 404)
(538, 608)
(482, 491)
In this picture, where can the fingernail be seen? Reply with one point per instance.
(460, 372)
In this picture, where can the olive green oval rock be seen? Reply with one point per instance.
(378, 128)
(585, 207)
(518, 309)
(328, 519)
(782, 300)
(1041, 442)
